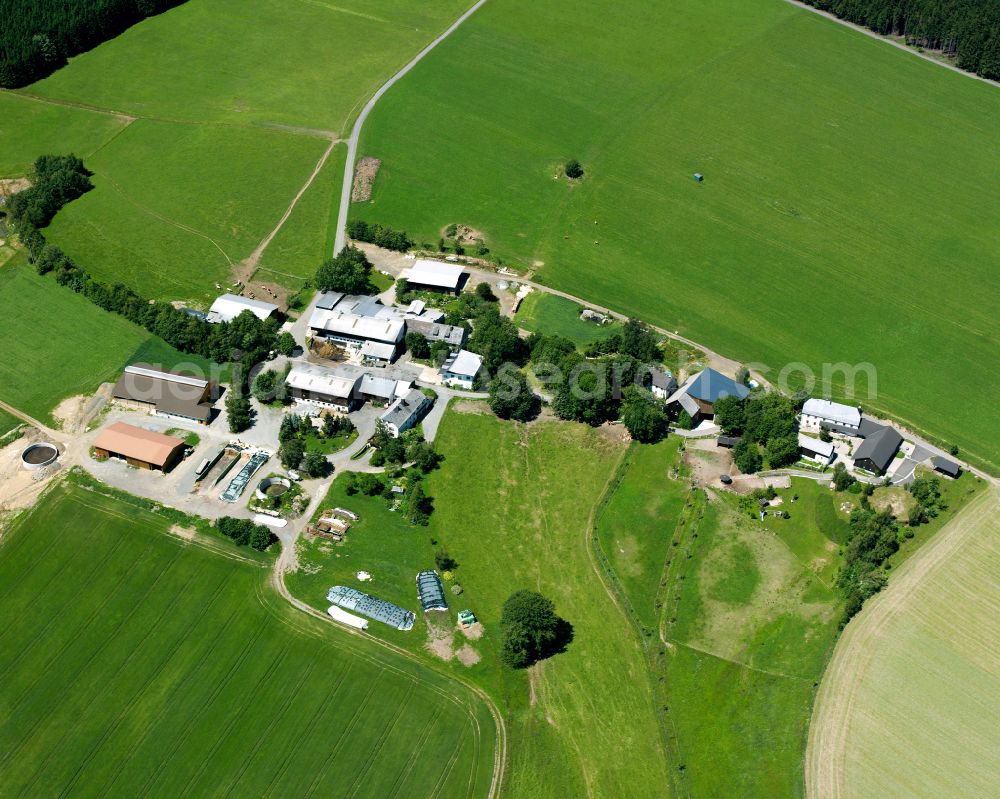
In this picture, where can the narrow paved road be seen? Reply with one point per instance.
(352, 142)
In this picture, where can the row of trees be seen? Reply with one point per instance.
(59, 179)
(966, 29)
(244, 532)
(38, 36)
(873, 538)
(380, 235)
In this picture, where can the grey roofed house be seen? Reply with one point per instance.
(430, 591)
(406, 411)
(661, 382)
(946, 466)
(727, 441)
(384, 389)
(453, 335)
(880, 446)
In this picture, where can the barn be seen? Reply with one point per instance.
(144, 449)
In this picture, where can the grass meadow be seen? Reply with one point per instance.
(58, 344)
(7, 422)
(917, 689)
(175, 206)
(137, 662)
(552, 315)
(830, 226)
(741, 618)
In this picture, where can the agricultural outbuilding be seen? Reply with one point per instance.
(139, 447)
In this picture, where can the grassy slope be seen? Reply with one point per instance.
(29, 129)
(546, 313)
(830, 163)
(135, 663)
(288, 62)
(175, 205)
(81, 345)
(510, 520)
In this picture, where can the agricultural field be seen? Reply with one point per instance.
(197, 164)
(175, 207)
(7, 422)
(804, 243)
(136, 661)
(909, 703)
(552, 315)
(45, 323)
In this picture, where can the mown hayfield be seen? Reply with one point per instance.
(555, 316)
(830, 226)
(257, 62)
(583, 721)
(139, 663)
(58, 344)
(29, 129)
(910, 701)
(175, 206)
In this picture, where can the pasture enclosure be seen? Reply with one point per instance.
(137, 662)
(829, 229)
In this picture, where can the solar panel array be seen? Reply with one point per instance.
(373, 608)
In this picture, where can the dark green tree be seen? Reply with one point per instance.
(285, 343)
(782, 451)
(238, 411)
(531, 628)
(511, 397)
(644, 417)
(729, 415)
(349, 272)
(746, 456)
(573, 169)
(290, 453)
(315, 464)
(417, 345)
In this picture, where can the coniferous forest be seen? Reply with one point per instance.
(37, 36)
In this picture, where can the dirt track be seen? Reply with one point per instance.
(833, 711)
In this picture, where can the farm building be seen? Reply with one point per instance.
(816, 450)
(377, 609)
(435, 275)
(430, 591)
(700, 392)
(139, 447)
(406, 412)
(727, 441)
(461, 369)
(453, 335)
(382, 389)
(834, 416)
(661, 383)
(227, 307)
(946, 467)
(323, 387)
(880, 445)
(353, 330)
(165, 393)
(328, 300)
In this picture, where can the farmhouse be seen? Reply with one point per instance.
(816, 450)
(946, 467)
(700, 392)
(382, 389)
(227, 307)
(322, 387)
(661, 383)
(355, 331)
(164, 393)
(452, 335)
(406, 412)
(139, 447)
(461, 369)
(834, 416)
(435, 276)
(880, 445)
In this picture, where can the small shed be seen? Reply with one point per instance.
(698, 177)
(946, 466)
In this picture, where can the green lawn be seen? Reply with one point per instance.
(135, 662)
(551, 315)
(175, 206)
(814, 236)
(29, 129)
(59, 344)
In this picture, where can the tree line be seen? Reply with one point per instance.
(38, 36)
(969, 30)
(57, 180)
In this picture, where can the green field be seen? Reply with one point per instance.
(552, 315)
(909, 704)
(175, 206)
(7, 422)
(830, 227)
(135, 662)
(59, 344)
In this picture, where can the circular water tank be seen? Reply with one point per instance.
(37, 456)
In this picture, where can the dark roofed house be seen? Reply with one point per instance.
(880, 446)
(701, 391)
(946, 466)
(727, 441)
(661, 383)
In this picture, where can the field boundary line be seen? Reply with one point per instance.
(885, 39)
(834, 703)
